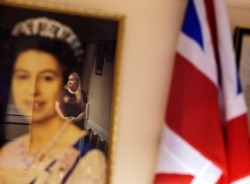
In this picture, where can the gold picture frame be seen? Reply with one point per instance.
(93, 26)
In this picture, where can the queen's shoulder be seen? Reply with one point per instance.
(94, 159)
(91, 168)
(11, 152)
(12, 146)
(96, 153)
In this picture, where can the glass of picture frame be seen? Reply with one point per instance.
(99, 76)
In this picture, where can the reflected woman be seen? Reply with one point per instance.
(54, 151)
(72, 103)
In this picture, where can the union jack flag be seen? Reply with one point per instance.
(205, 136)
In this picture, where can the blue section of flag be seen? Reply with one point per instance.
(239, 88)
(191, 26)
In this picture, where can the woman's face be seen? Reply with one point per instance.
(36, 84)
(72, 82)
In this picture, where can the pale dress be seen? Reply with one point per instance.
(72, 166)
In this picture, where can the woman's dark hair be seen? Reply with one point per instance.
(60, 50)
(5, 78)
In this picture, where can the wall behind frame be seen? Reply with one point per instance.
(150, 35)
(239, 13)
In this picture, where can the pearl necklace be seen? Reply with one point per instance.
(41, 155)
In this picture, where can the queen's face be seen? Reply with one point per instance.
(36, 84)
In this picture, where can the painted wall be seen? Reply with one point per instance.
(150, 36)
(239, 14)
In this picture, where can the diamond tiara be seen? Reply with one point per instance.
(49, 28)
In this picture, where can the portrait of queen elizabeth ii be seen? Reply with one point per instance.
(40, 59)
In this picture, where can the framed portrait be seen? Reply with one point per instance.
(242, 51)
(110, 53)
(241, 37)
(100, 57)
(58, 97)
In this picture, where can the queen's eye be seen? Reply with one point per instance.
(48, 77)
(21, 76)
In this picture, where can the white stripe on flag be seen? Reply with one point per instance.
(245, 180)
(235, 107)
(203, 61)
(184, 159)
(234, 103)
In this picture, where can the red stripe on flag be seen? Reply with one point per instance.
(193, 111)
(172, 179)
(209, 5)
(237, 150)
(211, 20)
